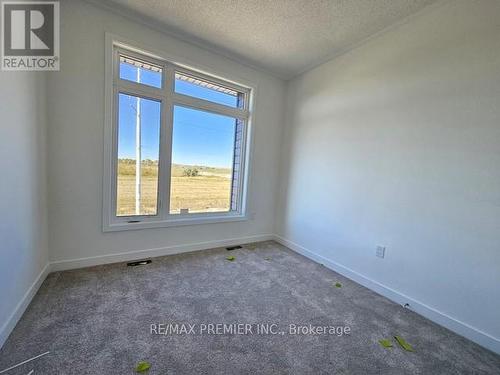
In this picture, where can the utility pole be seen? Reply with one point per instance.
(138, 149)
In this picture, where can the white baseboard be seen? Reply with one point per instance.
(62, 265)
(461, 328)
(22, 305)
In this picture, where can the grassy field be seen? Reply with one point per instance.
(208, 191)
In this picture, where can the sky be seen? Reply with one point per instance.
(199, 138)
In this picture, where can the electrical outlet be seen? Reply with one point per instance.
(380, 251)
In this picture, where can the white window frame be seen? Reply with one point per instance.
(168, 98)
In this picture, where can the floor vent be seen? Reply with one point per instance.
(139, 263)
(233, 248)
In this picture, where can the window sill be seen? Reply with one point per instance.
(122, 226)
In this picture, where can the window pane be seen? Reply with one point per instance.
(192, 86)
(203, 146)
(138, 154)
(139, 71)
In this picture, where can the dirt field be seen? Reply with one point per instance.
(208, 191)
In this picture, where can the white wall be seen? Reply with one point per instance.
(23, 228)
(398, 143)
(76, 115)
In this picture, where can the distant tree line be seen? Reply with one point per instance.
(190, 172)
(126, 167)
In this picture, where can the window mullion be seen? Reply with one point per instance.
(166, 141)
(205, 105)
(242, 167)
(138, 89)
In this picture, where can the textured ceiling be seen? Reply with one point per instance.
(284, 37)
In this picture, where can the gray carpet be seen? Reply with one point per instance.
(97, 321)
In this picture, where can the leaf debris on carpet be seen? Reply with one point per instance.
(338, 285)
(230, 258)
(403, 343)
(267, 258)
(142, 366)
(386, 343)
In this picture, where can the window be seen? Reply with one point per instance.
(138, 155)
(177, 145)
(190, 85)
(140, 72)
